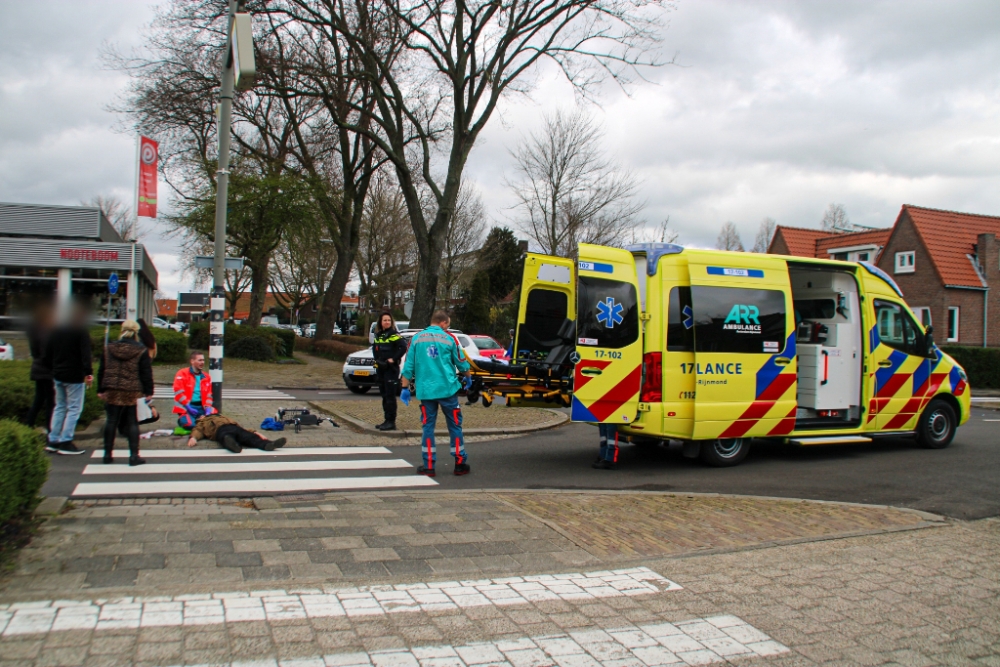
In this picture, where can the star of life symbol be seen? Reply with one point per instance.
(609, 312)
(432, 351)
(688, 320)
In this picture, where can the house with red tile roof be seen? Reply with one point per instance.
(852, 246)
(948, 265)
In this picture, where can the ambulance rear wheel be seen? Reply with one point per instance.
(937, 425)
(724, 453)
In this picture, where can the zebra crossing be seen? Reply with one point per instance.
(165, 392)
(252, 472)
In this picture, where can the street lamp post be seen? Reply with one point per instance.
(237, 62)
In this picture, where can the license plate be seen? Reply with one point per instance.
(362, 372)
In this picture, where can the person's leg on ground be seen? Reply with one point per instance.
(58, 416)
(112, 418)
(42, 400)
(428, 420)
(453, 417)
(131, 420)
(609, 447)
(247, 438)
(388, 384)
(188, 419)
(74, 394)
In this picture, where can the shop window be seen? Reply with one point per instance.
(897, 329)
(734, 319)
(953, 325)
(607, 312)
(905, 262)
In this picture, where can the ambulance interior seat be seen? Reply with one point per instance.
(828, 347)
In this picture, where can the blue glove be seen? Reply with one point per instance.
(404, 396)
(467, 382)
(192, 410)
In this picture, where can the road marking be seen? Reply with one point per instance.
(220, 468)
(285, 451)
(699, 641)
(272, 605)
(991, 420)
(249, 486)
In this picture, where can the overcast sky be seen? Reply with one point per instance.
(774, 109)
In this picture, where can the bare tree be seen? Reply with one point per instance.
(568, 192)
(659, 234)
(386, 256)
(119, 214)
(434, 96)
(729, 238)
(764, 234)
(465, 238)
(835, 219)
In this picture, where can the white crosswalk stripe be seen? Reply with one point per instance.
(163, 392)
(252, 472)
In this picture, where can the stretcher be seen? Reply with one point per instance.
(544, 376)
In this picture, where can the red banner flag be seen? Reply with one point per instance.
(148, 156)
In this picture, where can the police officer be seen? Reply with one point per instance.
(388, 350)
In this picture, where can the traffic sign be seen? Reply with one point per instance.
(113, 283)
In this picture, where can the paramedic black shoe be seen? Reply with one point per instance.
(605, 465)
(388, 426)
(429, 472)
(280, 442)
(68, 449)
(229, 442)
(462, 469)
(381, 427)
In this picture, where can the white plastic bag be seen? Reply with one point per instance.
(142, 410)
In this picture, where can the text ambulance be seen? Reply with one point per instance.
(717, 348)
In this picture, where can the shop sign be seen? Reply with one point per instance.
(89, 255)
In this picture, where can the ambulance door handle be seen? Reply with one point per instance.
(782, 361)
(590, 371)
(826, 367)
(885, 363)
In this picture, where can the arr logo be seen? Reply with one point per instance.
(741, 314)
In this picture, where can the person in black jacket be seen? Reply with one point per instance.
(124, 377)
(41, 374)
(388, 350)
(68, 355)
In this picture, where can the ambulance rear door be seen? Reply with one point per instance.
(744, 337)
(546, 302)
(608, 375)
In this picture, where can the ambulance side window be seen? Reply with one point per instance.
(607, 312)
(897, 329)
(680, 321)
(734, 319)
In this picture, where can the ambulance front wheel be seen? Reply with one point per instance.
(937, 425)
(724, 453)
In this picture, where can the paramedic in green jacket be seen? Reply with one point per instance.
(436, 359)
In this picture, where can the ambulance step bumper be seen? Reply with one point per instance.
(832, 440)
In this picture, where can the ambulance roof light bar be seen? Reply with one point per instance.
(653, 252)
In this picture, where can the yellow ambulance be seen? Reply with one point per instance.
(719, 348)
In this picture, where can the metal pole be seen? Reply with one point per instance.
(217, 318)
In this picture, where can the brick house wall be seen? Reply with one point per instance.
(988, 251)
(778, 246)
(924, 288)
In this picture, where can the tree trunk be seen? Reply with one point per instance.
(334, 293)
(258, 290)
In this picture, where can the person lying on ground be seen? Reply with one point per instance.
(228, 433)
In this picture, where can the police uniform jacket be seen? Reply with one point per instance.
(388, 345)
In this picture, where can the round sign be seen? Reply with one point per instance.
(113, 283)
(148, 155)
(574, 357)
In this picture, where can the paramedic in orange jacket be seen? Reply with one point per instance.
(192, 392)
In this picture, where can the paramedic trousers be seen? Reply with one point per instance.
(453, 417)
(609, 442)
(388, 386)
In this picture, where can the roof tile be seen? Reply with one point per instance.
(950, 237)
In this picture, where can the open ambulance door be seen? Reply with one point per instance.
(546, 302)
(744, 336)
(607, 377)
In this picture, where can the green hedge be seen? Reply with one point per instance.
(17, 391)
(254, 348)
(278, 339)
(982, 364)
(171, 346)
(334, 350)
(23, 468)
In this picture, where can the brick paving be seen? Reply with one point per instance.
(924, 596)
(473, 416)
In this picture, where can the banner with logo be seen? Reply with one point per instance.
(148, 156)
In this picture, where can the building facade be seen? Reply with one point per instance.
(64, 253)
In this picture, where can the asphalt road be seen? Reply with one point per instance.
(960, 482)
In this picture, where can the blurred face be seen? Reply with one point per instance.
(198, 362)
(385, 322)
